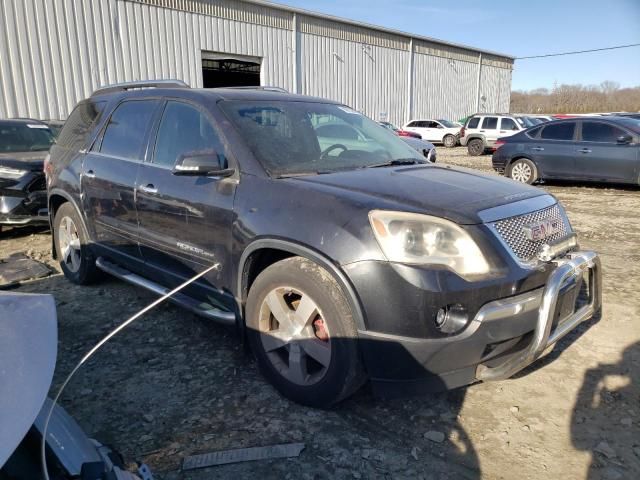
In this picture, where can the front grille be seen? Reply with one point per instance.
(512, 232)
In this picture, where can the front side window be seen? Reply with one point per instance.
(600, 132)
(508, 124)
(490, 123)
(558, 131)
(124, 136)
(184, 129)
(291, 138)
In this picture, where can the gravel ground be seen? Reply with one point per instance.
(174, 385)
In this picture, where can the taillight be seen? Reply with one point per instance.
(462, 132)
(499, 143)
(48, 168)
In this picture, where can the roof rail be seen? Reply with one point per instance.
(267, 88)
(121, 87)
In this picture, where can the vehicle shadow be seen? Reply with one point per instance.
(609, 397)
(7, 232)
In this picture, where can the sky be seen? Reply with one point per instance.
(517, 28)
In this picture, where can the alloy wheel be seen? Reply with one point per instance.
(521, 172)
(69, 242)
(294, 335)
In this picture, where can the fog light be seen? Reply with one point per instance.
(451, 319)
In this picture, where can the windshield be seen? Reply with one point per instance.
(448, 124)
(525, 122)
(296, 138)
(630, 123)
(24, 137)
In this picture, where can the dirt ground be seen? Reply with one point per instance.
(174, 385)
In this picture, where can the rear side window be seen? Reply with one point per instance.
(185, 129)
(600, 132)
(508, 124)
(533, 132)
(473, 123)
(559, 131)
(413, 124)
(490, 123)
(78, 125)
(124, 136)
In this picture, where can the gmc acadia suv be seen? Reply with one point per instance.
(339, 263)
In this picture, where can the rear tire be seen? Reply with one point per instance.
(72, 246)
(449, 141)
(523, 170)
(301, 331)
(475, 147)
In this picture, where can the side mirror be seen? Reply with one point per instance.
(204, 164)
(624, 139)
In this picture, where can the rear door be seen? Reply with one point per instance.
(600, 157)
(489, 128)
(554, 150)
(108, 178)
(185, 221)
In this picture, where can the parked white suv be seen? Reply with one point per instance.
(482, 130)
(435, 131)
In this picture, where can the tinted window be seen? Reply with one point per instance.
(413, 124)
(558, 131)
(600, 132)
(432, 125)
(125, 134)
(78, 125)
(630, 123)
(447, 123)
(184, 129)
(508, 124)
(490, 123)
(473, 123)
(534, 132)
(24, 137)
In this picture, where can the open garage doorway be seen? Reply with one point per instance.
(224, 70)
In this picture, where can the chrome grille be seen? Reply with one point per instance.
(512, 232)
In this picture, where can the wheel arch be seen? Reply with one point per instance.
(264, 252)
(56, 199)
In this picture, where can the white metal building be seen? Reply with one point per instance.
(56, 52)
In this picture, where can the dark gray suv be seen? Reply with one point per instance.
(598, 149)
(338, 261)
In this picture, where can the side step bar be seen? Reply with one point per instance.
(184, 301)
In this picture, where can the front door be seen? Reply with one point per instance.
(185, 221)
(600, 157)
(108, 178)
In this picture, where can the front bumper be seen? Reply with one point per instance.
(504, 337)
(21, 206)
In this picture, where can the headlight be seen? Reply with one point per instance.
(425, 240)
(13, 173)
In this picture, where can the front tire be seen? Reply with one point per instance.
(301, 331)
(449, 141)
(475, 147)
(523, 170)
(72, 246)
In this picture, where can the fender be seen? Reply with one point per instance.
(70, 199)
(310, 254)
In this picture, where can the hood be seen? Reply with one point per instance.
(28, 348)
(454, 193)
(33, 161)
(417, 143)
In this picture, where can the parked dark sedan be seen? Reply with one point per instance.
(23, 196)
(598, 149)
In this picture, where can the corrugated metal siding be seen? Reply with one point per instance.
(372, 80)
(444, 88)
(441, 50)
(495, 86)
(343, 31)
(56, 52)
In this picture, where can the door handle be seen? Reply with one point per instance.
(585, 150)
(89, 174)
(537, 149)
(148, 189)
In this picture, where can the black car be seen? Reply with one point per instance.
(339, 263)
(599, 149)
(24, 145)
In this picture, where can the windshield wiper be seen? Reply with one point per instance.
(399, 161)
